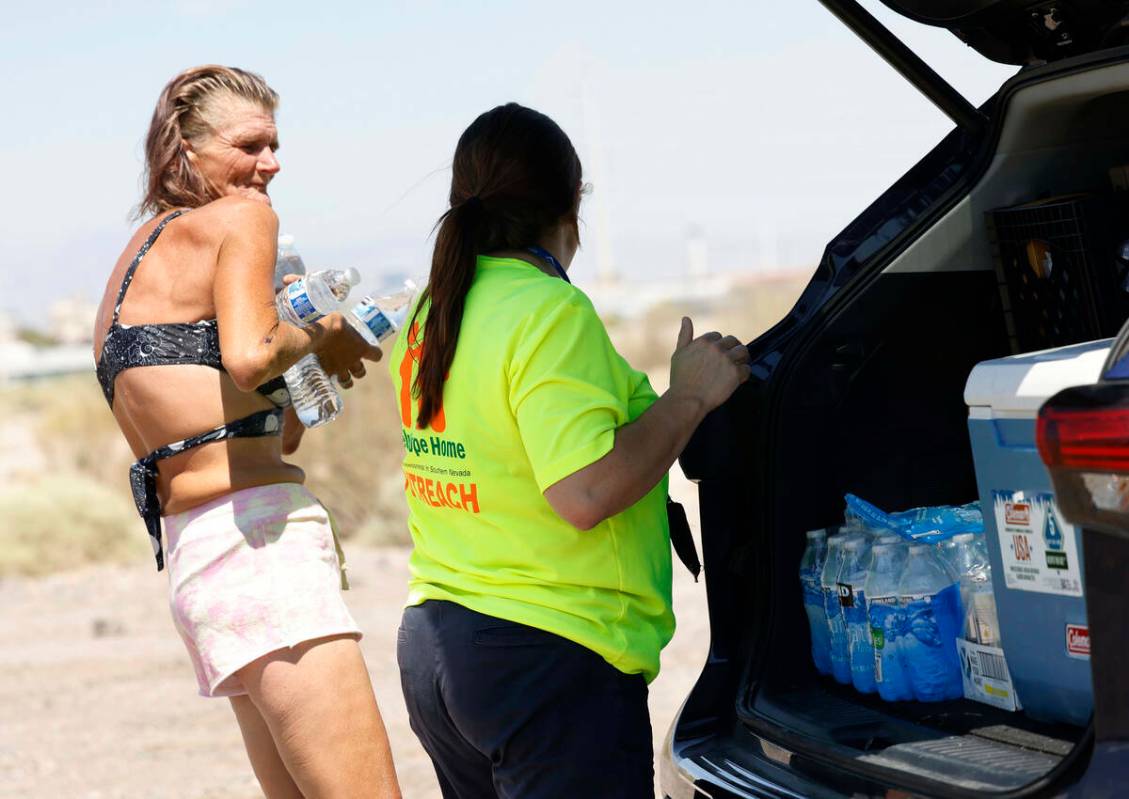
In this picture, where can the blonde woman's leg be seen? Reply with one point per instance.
(274, 778)
(317, 701)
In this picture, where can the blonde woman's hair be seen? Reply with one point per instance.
(185, 111)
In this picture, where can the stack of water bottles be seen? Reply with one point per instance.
(888, 597)
(303, 302)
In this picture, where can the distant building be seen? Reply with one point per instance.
(21, 361)
(7, 328)
(72, 321)
(70, 325)
(633, 299)
(697, 252)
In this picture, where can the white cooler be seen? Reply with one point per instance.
(1036, 556)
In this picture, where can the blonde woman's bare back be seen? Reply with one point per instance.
(175, 283)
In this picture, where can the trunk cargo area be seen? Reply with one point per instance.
(872, 403)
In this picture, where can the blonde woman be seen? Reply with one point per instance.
(190, 354)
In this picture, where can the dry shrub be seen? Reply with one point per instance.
(64, 521)
(75, 429)
(352, 464)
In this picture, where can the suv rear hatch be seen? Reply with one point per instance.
(861, 389)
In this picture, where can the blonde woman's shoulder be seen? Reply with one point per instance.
(236, 210)
(227, 216)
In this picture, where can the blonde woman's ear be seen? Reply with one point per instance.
(186, 148)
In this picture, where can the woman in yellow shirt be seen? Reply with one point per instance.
(535, 471)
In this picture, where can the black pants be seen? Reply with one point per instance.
(509, 711)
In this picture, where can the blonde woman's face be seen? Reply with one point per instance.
(239, 157)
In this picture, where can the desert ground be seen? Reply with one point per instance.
(98, 700)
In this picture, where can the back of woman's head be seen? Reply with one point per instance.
(516, 177)
(187, 110)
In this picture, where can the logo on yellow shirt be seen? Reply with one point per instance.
(414, 354)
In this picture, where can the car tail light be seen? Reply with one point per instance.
(1083, 438)
(1077, 438)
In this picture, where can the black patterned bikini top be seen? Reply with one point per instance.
(128, 346)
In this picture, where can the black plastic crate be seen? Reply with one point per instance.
(1058, 269)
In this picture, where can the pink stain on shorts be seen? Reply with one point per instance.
(250, 573)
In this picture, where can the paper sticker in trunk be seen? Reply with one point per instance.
(1038, 548)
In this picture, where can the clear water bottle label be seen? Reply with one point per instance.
(374, 319)
(855, 612)
(300, 303)
(882, 611)
(831, 604)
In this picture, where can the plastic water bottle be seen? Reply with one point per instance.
(852, 598)
(930, 599)
(947, 552)
(381, 317)
(887, 621)
(978, 600)
(315, 399)
(307, 300)
(811, 567)
(836, 627)
(959, 557)
(287, 261)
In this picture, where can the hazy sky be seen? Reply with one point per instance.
(766, 125)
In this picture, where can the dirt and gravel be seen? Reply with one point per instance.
(98, 700)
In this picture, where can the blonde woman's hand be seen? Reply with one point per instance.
(709, 368)
(345, 360)
(343, 351)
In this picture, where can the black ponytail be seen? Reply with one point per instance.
(515, 176)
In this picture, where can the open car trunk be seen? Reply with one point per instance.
(869, 399)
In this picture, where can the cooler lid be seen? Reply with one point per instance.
(1024, 31)
(1016, 386)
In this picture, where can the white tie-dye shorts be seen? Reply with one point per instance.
(250, 573)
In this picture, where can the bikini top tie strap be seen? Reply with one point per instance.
(143, 473)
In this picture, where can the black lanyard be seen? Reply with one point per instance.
(550, 259)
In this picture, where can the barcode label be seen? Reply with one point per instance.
(985, 675)
(993, 666)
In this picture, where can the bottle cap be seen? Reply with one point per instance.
(286, 240)
(352, 276)
(816, 534)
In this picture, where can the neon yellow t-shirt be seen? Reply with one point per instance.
(535, 393)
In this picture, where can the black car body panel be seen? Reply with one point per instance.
(1025, 31)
